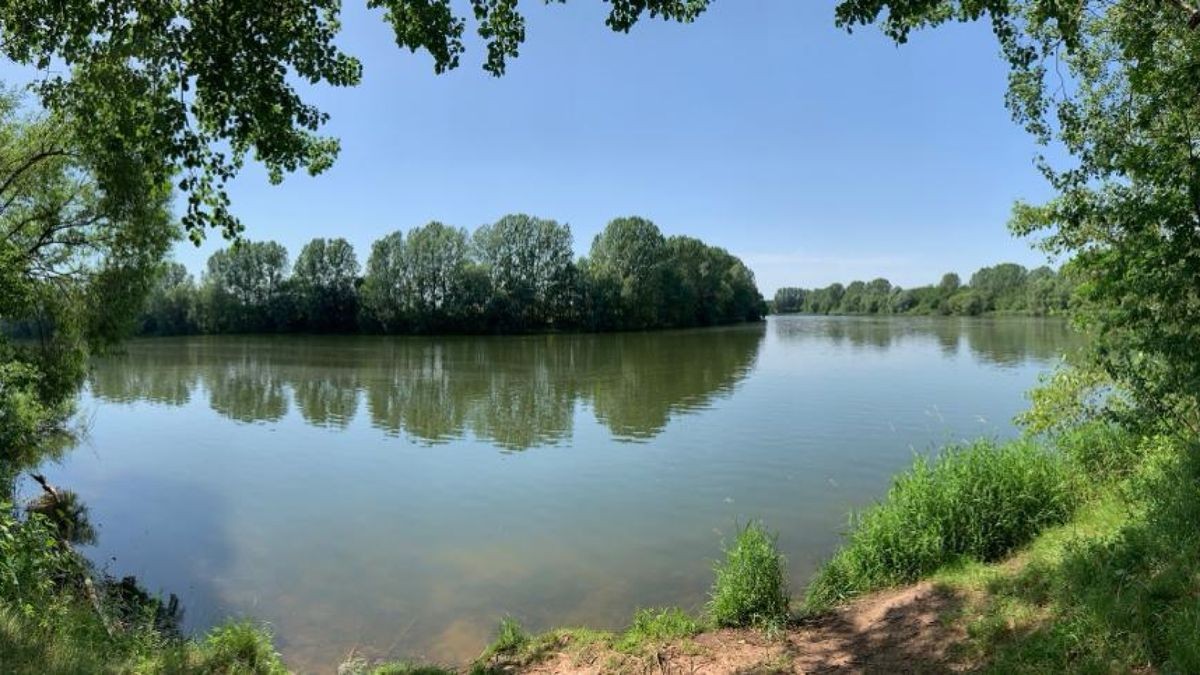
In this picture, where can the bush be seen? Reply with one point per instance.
(751, 584)
(978, 501)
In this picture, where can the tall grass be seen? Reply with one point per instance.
(1101, 450)
(978, 501)
(751, 583)
(1115, 590)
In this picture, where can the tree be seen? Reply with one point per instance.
(1115, 83)
(949, 284)
(437, 262)
(325, 277)
(529, 263)
(705, 285)
(1000, 286)
(245, 288)
(790, 299)
(171, 306)
(76, 264)
(967, 302)
(186, 91)
(387, 286)
(630, 253)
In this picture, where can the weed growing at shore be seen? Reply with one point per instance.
(240, 648)
(655, 626)
(511, 638)
(1113, 590)
(978, 501)
(751, 584)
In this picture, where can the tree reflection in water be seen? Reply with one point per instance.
(516, 392)
(998, 341)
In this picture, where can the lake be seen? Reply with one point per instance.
(395, 497)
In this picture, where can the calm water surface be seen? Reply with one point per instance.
(397, 496)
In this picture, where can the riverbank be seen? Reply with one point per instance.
(1111, 589)
(1072, 554)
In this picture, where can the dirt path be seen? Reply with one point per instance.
(898, 631)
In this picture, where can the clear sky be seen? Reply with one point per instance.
(815, 155)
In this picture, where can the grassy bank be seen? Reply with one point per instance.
(1074, 553)
(1116, 589)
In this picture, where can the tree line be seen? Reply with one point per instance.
(518, 274)
(1006, 288)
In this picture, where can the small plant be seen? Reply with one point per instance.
(652, 626)
(241, 648)
(751, 584)
(510, 638)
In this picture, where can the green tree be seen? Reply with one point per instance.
(790, 299)
(630, 254)
(949, 284)
(171, 306)
(245, 288)
(325, 277)
(529, 263)
(187, 91)
(437, 263)
(1001, 286)
(76, 264)
(388, 283)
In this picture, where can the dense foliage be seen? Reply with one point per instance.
(75, 263)
(511, 276)
(1006, 287)
(183, 93)
(1113, 84)
(143, 94)
(187, 91)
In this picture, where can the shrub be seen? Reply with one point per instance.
(31, 560)
(979, 501)
(751, 584)
(656, 626)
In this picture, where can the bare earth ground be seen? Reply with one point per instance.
(899, 631)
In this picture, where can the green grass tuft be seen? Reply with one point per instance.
(978, 501)
(751, 584)
(511, 638)
(240, 648)
(656, 626)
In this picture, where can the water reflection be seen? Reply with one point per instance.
(516, 392)
(997, 341)
(278, 492)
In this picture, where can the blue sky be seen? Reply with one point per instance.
(813, 154)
